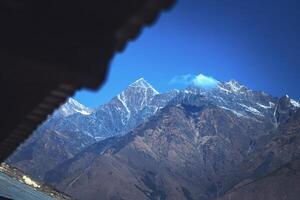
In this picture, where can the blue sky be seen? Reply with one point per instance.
(255, 42)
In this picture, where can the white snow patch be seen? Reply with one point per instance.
(234, 111)
(224, 89)
(272, 104)
(84, 112)
(251, 109)
(72, 106)
(295, 103)
(264, 106)
(234, 86)
(121, 99)
(97, 138)
(142, 83)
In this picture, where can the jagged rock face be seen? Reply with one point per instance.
(183, 152)
(122, 113)
(284, 109)
(130, 108)
(233, 97)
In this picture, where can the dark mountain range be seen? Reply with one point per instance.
(189, 144)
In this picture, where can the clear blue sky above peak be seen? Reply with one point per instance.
(255, 42)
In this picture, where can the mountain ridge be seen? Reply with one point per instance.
(147, 147)
(249, 115)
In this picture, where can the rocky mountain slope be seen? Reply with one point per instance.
(199, 146)
(47, 150)
(51, 144)
(276, 176)
(189, 144)
(281, 184)
(73, 127)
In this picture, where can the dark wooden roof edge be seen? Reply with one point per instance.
(145, 16)
(129, 31)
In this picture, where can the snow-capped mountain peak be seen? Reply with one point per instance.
(140, 100)
(142, 83)
(72, 106)
(232, 86)
(136, 96)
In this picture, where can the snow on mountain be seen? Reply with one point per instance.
(123, 111)
(221, 138)
(234, 86)
(72, 106)
(271, 105)
(295, 103)
(74, 126)
(234, 112)
(136, 96)
(291, 102)
(140, 100)
(252, 110)
(142, 83)
(128, 109)
(234, 97)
